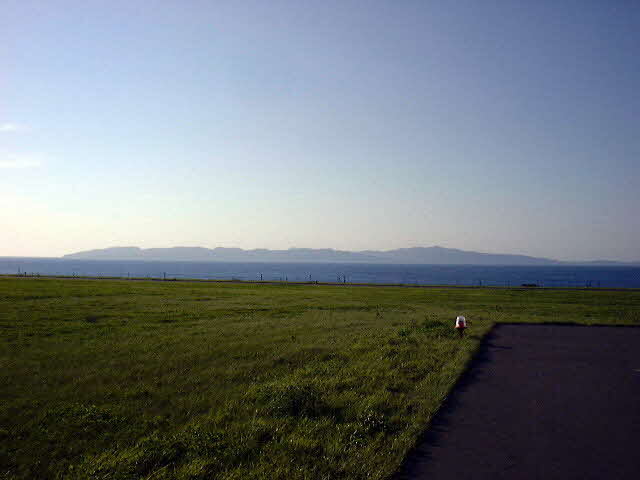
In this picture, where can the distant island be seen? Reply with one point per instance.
(418, 255)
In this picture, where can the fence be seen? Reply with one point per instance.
(337, 279)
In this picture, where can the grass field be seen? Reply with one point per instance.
(116, 379)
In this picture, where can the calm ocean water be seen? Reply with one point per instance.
(548, 276)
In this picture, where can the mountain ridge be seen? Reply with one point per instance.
(435, 255)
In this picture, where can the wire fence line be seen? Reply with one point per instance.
(339, 278)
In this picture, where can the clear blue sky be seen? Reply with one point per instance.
(498, 126)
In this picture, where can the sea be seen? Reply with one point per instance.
(461, 275)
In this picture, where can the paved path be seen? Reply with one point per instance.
(541, 402)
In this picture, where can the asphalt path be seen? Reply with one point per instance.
(540, 402)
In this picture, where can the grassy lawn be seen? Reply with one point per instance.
(115, 379)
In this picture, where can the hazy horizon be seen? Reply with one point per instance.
(496, 127)
(481, 252)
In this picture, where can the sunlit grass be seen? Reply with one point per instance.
(118, 379)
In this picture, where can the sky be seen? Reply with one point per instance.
(495, 126)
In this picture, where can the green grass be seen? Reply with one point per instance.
(115, 379)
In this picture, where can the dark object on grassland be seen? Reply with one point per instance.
(529, 285)
(520, 438)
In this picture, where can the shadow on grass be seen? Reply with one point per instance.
(565, 324)
(441, 422)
